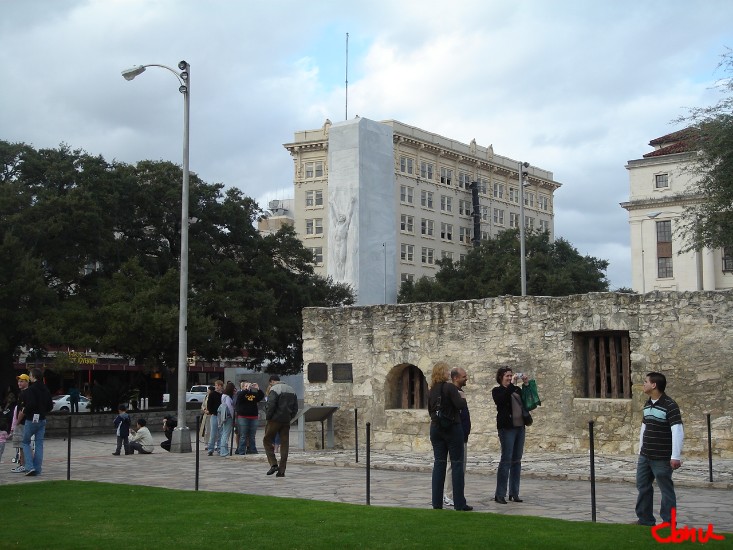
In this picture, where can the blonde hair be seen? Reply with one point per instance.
(441, 373)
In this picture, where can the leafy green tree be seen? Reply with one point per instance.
(709, 222)
(493, 269)
(89, 256)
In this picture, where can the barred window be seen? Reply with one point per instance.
(604, 358)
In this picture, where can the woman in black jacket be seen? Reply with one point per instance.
(510, 424)
(446, 440)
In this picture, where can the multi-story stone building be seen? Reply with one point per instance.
(379, 203)
(660, 189)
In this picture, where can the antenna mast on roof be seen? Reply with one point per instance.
(347, 77)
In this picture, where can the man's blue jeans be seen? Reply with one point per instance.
(33, 460)
(213, 433)
(510, 464)
(447, 443)
(247, 428)
(647, 471)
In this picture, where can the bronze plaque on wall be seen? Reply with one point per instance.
(342, 372)
(317, 372)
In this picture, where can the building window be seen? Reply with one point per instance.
(406, 194)
(314, 226)
(427, 227)
(464, 208)
(529, 222)
(314, 169)
(513, 220)
(604, 360)
(664, 249)
(464, 180)
(446, 204)
(498, 216)
(529, 199)
(314, 198)
(406, 165)
(544, 225)
(499, 190)
(728, 258)
(444, 254)
(543, 202)
(485, 213)
(513, 194)
(426, 170)
(661, 181)
(428, 255)
(407, 223)
(464, 234)
(404, 277)
(407, 252)
(446, 231)
(462, 258)
(446, 175)
(485, 235)
(483, 186)
(317, 255)
(426, 199)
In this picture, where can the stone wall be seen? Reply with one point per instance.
(687, 336)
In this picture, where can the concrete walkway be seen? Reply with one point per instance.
(553, 485)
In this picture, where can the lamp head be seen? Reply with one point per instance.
(132, 72)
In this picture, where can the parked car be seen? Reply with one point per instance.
(61, 403)
(197, 394)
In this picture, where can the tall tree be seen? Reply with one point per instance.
(493, 269)
(89, 257)
(709, 222)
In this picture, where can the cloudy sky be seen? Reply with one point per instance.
(574, 87)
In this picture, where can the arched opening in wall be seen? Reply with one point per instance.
(405, 388)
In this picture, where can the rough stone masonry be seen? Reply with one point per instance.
(688, 336)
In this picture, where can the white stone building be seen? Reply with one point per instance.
(379, 202)
(660, 189)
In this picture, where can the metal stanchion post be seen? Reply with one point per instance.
(198, 445)
(368, 472)
(68, 450)
(710, 449)
(592, 473)
(356, 434)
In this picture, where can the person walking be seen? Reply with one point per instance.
(446, 435)
(37, 404)
(510, 425)
(281, 408)
(459, 378)
(660, 450)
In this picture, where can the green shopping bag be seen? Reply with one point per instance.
(530, 397)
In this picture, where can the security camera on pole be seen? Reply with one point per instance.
(181, 439)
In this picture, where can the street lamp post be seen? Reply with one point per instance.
(523, 260)
(181, 439)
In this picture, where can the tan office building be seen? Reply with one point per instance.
(379, 202)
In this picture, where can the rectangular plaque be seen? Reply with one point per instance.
(342, 372)
(317, 372)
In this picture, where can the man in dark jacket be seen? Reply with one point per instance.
(38, 404)
(281, 408)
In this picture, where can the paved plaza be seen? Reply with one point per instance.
(553, 485)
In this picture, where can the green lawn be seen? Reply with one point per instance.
(77, 514)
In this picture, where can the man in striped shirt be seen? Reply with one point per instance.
(660, 448)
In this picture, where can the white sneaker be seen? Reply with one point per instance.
(448, 501)
(18, 469)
